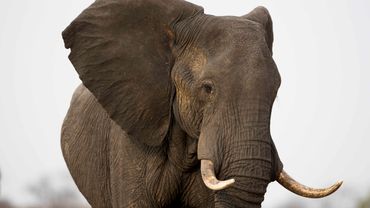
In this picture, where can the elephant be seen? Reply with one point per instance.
(174, 107)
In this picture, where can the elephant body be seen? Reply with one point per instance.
(174, 107)
(143, 176)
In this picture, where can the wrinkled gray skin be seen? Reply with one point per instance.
(168, 86)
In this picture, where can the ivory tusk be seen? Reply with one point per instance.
(209, 177)
(292, 185)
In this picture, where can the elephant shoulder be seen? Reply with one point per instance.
(85, 117)
(85, 145)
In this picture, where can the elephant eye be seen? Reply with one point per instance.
(207, 87)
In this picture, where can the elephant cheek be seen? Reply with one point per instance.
(186, 114)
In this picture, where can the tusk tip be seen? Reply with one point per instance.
(225, 184)
(331, 189)
(230, 182)
(337, 185)
(219, 185)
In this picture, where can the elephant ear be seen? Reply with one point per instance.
(262, 16)
(121, 51)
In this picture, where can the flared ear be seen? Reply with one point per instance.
(262, 16)
(121, 51)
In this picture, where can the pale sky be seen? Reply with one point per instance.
(321, 118)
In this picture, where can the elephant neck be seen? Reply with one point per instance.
(167, 167)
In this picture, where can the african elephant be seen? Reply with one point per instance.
(175, 106)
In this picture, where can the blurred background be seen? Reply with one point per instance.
(320, 122)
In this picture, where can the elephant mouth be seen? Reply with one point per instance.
(211, 181)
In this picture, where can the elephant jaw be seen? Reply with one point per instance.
(211, 181)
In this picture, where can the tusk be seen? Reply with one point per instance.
(289, 183)
(209, 178)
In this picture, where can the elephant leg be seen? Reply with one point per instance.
(143, 176)
(106, 165)
(127, 171)
(84, 143)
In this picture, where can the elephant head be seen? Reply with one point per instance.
(151, 63)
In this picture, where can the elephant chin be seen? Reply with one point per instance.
(211, 181)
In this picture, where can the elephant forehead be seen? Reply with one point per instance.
(230, 43)
(226, 32)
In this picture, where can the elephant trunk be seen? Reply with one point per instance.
(251, 165)
(239, 161)
(242, 156)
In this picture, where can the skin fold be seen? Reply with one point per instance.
(164, 87)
